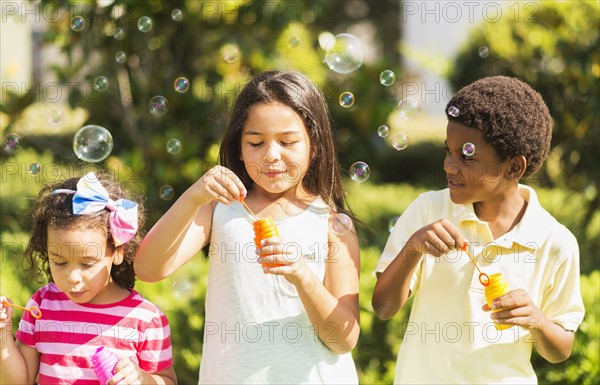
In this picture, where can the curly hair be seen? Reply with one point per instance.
(511, 115)
(55, 211)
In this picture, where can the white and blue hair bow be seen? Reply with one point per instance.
(92, 197)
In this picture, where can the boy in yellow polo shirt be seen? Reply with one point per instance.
(499, 131)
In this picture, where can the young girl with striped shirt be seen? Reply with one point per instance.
(84, 237)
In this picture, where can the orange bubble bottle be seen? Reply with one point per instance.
(263, 229)
(498, 286)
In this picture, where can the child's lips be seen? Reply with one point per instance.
(454, 185)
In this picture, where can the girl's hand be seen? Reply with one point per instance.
(128, 373)
(436, 239)
(290, 261)
(517, 309)
(219, 184)
(6, 313)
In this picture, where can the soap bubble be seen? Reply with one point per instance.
(118, 33)
(409, 108)
(177, 14)
(468, 149)
(359, 172)
(399, 140)
(344, 53)
(340, 223)
(173, 146)
(92, 143)
(77, 23)
(483, 52)
(101, 83)
(34, 168)
(230, 52)
(383, 131)
(459, 211)
(55, 116)
(182, 288)
(166, 192)
(144, 24)
(387, 78)
(181, 84)
(346, 99)
(11, 143)
(294, 42)
(120, 57)
(453, 111)
(158, 105)
(392, 223)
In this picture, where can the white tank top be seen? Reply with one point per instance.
(256, 329)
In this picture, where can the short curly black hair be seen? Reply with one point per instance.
(51, 210)
(511, 115)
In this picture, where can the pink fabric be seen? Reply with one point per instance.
(68, 334)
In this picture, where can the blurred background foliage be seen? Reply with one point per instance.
(218, 46)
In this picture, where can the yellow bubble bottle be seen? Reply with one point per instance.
(263, 229)
(497, 287)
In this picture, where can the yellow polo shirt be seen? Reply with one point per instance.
(448, 338)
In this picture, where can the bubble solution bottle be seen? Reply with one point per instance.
(497, 287)
(104, 362)
(263, 229)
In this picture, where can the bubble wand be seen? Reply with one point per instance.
(248, 208)
(486, 279)
(34, 310)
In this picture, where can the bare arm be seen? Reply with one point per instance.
(19, 363)
(550, 340)
(393, 285)
(332, 306)
(185, 228)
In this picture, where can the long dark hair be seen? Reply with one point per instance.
(296, 91)
(56, 211)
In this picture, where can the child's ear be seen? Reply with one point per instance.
(518, 165)
(118, 254)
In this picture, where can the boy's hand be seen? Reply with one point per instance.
(517, 309)
(6, 313)
(436, 239)
(219, 184)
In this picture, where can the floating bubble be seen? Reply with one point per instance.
(55, 116)
(346, 99)
(182, 288)
(359, 172)
(340, 223)
(101, 83)
(166, 192)
(230, 52)
(177, 14)
(483, 52)
(173, 146)
(144, 24)
(399, 140)
(11, 143)
(453, 111)
(34, 168)
(409, 108)
(158, 105)
(118, 33)
(392, 223)
(120, 57)
(92, 143)
(468, 149)
(294, 42)
(383, 131)
(181, 84)
(459, 211)
(344, 53)
(77, 23)
(387, 78)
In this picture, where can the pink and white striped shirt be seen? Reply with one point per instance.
(68, 334)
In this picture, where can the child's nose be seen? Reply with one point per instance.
(74, 276)
(272, 153)
(450, 167)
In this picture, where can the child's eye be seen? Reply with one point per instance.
(288, 144)
(58, 263)
(255, 144)
(88, 265)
